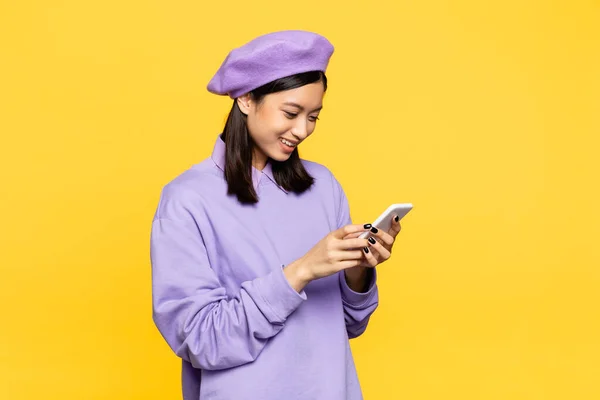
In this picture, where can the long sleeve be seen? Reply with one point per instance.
(358, 307)
(191, 308)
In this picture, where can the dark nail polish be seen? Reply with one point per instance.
(366, 249)
(374, 230)
(367, 226)
(371, 240)
(396, 218)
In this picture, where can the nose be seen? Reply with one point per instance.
(300, 130)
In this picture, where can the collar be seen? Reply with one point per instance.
(218, 157)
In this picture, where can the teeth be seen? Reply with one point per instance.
(287, 143)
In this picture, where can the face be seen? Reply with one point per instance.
(281, 121)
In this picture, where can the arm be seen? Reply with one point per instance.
(192, 311)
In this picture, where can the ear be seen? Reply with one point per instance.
(243, 103)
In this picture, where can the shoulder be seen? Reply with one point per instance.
(322, 174)
(317, 171)
(187, 190)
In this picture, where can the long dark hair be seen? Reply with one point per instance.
(290, 174)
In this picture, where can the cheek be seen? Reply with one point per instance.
(273, 123)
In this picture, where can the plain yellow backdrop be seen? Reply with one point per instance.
(485, 115)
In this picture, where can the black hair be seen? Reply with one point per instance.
(290, 174)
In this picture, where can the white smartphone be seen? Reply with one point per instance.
(384, 221)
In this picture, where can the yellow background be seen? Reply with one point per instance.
(483, 114)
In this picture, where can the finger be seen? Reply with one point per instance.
(350, 229)
(396, 227)
(355, 243)
(370, 257)
(350, 264)
(352, 235)
(347, 255)
(383, 252)
(386, 238)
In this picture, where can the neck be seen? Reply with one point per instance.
(259, 160)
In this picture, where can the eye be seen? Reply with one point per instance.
(290, 115)
(313, 119)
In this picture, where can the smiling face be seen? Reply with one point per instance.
(281, 120)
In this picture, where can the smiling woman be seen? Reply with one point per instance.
(259, 306)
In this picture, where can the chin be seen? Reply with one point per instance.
(280, 157)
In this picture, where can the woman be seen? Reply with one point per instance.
(259, 277)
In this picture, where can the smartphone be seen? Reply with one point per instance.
(384, 221)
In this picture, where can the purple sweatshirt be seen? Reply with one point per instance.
(221, 300)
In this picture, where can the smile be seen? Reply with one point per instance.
(288, 143)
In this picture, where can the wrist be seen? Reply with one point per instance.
(356, 278)
(297, 275)
(356, 272)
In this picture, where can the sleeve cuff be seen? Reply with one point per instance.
(357, 299)
(279, 296)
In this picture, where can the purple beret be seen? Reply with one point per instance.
(270, 57)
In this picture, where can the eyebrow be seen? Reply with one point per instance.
(289, 103)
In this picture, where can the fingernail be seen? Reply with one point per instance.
(366, 249)
(367, 226)
(374, 230)
(371, 240)
(396, 218)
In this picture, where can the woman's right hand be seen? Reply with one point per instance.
(331, 254)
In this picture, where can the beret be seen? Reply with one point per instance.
(270, 57)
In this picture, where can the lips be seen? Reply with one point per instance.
(286, 148)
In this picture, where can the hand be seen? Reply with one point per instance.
(331, 254)
(380, 244)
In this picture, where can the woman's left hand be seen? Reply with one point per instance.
(380, 244)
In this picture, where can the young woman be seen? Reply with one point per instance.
(259, 277)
